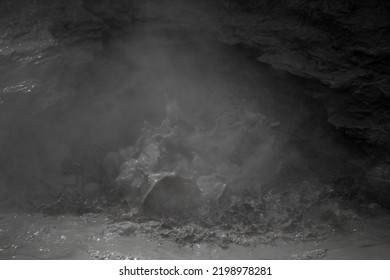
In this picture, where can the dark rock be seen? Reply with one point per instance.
(343, 45)
(173, 195)
(211, 187)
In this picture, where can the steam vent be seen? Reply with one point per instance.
(194, 129)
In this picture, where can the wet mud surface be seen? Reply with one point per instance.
(95, 236)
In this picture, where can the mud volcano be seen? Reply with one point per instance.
(194, 129)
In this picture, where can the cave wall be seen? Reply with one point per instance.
(76, 80)
(342, 44)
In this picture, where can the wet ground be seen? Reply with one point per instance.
(24, 236)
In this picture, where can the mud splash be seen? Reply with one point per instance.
(64, 237)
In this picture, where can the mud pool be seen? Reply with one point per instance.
(193, 130)
(37, 237)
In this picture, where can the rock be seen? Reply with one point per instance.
(172, 195)
(211, 187)
(319, 42)
(150, 154)
(132, 185)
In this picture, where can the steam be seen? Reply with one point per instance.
(101, 99)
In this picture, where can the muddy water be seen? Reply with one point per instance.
(24, 236)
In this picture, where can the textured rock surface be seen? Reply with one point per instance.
(343, 44)
(51, 52)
